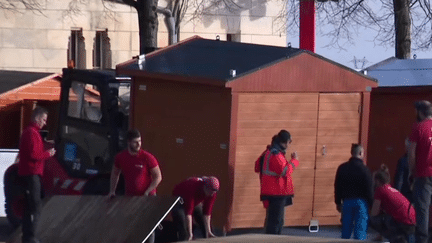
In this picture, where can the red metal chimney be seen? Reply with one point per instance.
(307, 25)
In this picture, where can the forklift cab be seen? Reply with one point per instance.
(93, 121)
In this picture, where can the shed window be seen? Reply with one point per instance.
(76, 49)
(102, 50)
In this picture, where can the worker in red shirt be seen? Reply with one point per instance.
(31, 163)
(277, 189)
(198, 195)
(392, 214)
(140, 170)
(420, 162)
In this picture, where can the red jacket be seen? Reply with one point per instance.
(275, 176)
(192, 192)
(32, 155)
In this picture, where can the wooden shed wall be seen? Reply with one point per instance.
(314, 120)
(303, 73)
(165, 112)
(16, 116)
(392, 116)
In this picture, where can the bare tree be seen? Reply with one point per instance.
(199, 8)
(395, 22)
(148, 23)
(15, 5)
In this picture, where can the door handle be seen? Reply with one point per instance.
(324, 150)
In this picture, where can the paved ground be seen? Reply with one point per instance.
(325, 232)
(329, 232)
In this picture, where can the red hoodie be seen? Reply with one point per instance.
(32, 155)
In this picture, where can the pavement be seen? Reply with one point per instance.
(326, 232)
(297, 234)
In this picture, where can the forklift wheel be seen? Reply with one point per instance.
(14, 196)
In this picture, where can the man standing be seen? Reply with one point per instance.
(420, 161)
(198, 195)
(354, 194)
(140, 170)
(31, 163)
(277, 188)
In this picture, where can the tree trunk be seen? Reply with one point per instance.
(402, 29)
(148, 25)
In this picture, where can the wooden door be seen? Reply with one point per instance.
(260, 116)
(338, 127)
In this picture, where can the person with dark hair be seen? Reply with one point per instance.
(277, 189)
(354, 194)
(392, 214)
(420, 162)
(401, 180)
(140, 170)
(198, 195)
(32, 156)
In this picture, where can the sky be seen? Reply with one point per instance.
(362, 49)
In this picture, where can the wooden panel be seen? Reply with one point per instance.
(338, 128)
(275, 107)
(302, 73)
(260, 117)
(279, 124)
(339, 98)
(325, 209)
(339, 107)
(259, 148)
(281, 115)
(248, 159)
(266, 140)
(200, 116)
(335, 131)
(333, 115)
(81, 219)
(247, 166)
(264, 132)
(351, 123)
(279, 98)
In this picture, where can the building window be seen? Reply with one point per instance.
(76, 51)
(233, 37)
(102, 50)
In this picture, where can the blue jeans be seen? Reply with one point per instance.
(355, 216)
(422, 199)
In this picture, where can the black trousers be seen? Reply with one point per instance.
(390, 229)
(275, 214)
(179, 217)
(32, 207)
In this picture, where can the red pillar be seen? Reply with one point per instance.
(307, 25)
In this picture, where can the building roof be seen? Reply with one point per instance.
(212, 59)
(401, 72)
(10, 80)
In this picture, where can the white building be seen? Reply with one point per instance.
(45, 40)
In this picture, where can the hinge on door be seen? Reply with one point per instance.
(360, 109)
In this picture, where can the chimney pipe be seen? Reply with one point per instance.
(307, 25)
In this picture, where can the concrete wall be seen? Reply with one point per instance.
(38, 41)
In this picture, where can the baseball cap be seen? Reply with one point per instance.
(211, 183)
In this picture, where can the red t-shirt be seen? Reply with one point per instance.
(32, 155)
(192, 192)
(136, 171)
(422, 134)
(395, 204)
